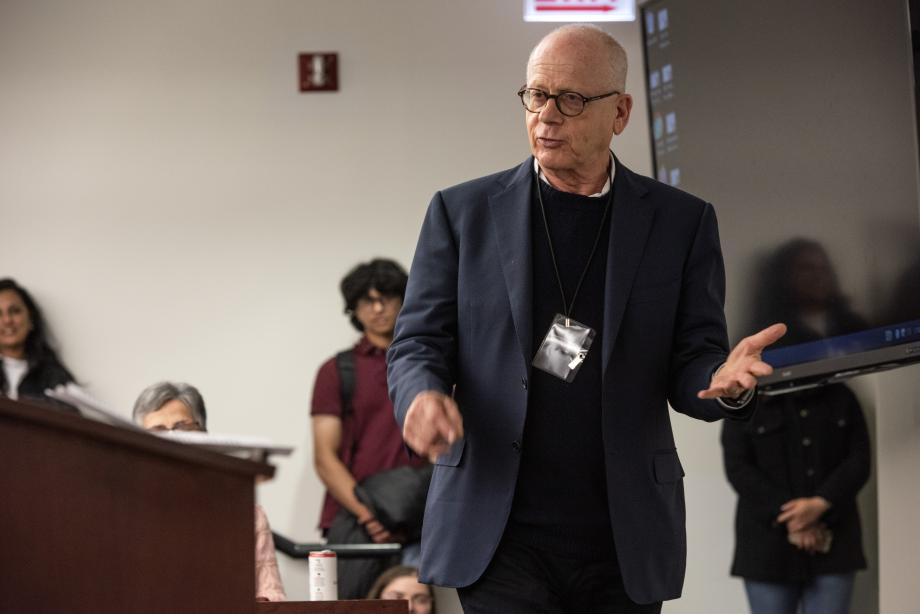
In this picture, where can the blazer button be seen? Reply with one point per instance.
(803, 413)
(516, 446)
(524, 383)
(806, 441)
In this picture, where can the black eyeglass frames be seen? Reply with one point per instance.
(569, 104)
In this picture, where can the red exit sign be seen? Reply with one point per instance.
(579, 10)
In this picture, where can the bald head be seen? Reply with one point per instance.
(589, 44)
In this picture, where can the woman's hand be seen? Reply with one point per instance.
(799, 514)
(812, 540)
(806, 539)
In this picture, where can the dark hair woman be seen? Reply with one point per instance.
(29, 363)
(799, 463)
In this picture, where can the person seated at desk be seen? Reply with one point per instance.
(29, 363)
(401, 582)
(169, 406)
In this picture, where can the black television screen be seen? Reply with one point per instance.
(800, 127)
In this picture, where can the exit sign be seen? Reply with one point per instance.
(318, 72)
(579, 10)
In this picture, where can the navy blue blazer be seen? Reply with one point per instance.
(465, 329)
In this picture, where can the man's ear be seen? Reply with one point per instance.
(624, 108)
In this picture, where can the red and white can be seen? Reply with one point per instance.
(324, 579)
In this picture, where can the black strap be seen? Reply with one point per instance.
(345, 365)
(566, 306)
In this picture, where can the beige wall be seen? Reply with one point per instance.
(181, 212)
(897, 467)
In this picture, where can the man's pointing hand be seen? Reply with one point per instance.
(432, 424)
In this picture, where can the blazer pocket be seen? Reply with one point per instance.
(453, 456)
(667, 468)
(653, 292)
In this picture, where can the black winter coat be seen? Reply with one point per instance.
(810, 443)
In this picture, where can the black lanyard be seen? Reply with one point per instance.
(566, 306)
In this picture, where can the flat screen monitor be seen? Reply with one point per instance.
(798, 122)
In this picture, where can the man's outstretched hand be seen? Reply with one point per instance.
(743, 366)
(433, 422)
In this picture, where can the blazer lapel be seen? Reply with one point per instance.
(511, 217)
(629, 228)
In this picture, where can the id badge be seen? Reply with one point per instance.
(564, 348)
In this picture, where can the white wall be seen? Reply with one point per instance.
(181, 212)
(898, 461)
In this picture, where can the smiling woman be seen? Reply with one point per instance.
(29, 364)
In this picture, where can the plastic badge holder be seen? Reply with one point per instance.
(564, 348)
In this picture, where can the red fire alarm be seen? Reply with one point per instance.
(319, 72)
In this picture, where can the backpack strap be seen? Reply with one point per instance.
(345, 365)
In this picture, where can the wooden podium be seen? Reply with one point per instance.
(95, 518)
(334, 607)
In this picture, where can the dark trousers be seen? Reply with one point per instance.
(522, 579)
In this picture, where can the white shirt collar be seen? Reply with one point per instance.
(14, 370)
(604, 190)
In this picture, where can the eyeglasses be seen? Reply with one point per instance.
(383, 300)
(178, 426)
(569, 104)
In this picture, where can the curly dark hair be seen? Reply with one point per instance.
(385, 276)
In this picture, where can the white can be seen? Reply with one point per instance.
(324, 579)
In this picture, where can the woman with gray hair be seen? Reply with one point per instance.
(171, 406)
(174, 406)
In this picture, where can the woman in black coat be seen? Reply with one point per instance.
(797, 467)
(28, 364)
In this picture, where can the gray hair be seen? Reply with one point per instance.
(616, 55)
(156, 396)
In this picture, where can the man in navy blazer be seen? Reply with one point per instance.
(558, 488)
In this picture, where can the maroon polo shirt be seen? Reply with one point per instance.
(371, 441)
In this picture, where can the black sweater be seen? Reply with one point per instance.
(560, 501)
